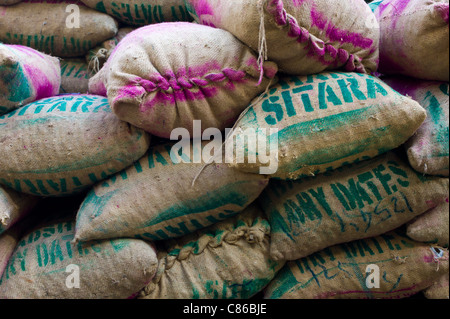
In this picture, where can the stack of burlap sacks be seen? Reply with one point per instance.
(97, 201)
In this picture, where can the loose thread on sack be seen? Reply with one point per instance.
(95, 60)
(262, 41)
(229, 135)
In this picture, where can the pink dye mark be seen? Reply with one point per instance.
(336, 34)
(297, 3)
(431, 204)
(44, 88)
(443, 10)
(204, 11)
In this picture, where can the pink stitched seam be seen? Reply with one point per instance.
(276, 9)
(161, 83)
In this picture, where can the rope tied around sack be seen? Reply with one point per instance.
(95, 60)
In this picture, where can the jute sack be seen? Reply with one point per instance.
(142, 12)
(8, 242)
(428, 148)
(75, 76)
(302, 37)
(65, 144)
(432, 227)
(228, 260)
(439, 290)
(45, 265)
(26, 75)
(163, 196)
(45, 25)
(320, 122)
(350, 271)
(14, 206)
(354, 202)
(414, 38)
(165, 76)
(9, 2)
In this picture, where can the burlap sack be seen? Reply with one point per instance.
(166, 75)
(45, 259)
(13, 207)
(62, 145)
(142, 12)
(324, 121)
(354, 202)
(9, 2)
(341, 272)
(45, 25)
(432, 227)
(428, 149)
(26, 75)
(164, 196)
(414, 38)
(75, 75)
(229, 260)
(439, 290)
(8, 242)
(302, 37)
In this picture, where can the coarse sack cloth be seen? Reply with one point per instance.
(431, 227)
(75, 75)
(428, 148)
(354, 202)
(323, 121)
(65, 144)
(46, 265)
(401, 267)
(302, 37)
(414, 38)
(439, 289)
(228, 260)
(166, 194)
(8, 242)
(165, 76)
(63, 28)
(14, 206)
(9, 2)
(142, 12)
(26, 75)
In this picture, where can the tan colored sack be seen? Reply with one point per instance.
(354, 202)
(75, 76)
(142, 12)
(165, 76)
(156, 198)
(414, 38)
(65, 144)
(45, 265)
(8, 242)
(349, 271)
(428, 149)
(229, 260)
(439, 290)
(9, 2)
(302, 37)
(14, 206)
(432, 227)
(45, 25)
(324, 121)
(26, 75)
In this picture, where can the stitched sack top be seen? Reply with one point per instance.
(302, 37)
(166, 75)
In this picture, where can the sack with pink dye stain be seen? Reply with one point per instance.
(302, 37)
(167, 75)
(26, 75)
(414, 38)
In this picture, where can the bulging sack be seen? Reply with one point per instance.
(321, 122)
(354, 202)
(302, 37)
(142, 12)
(414, 38)
(75, 76)
(8, 242)
(228, 260)
(9, 2)
(166, 194)
(26, 75)
(431, 227)
(439, 290)
(62, 145)
(165, 76)
(44, 260)
(428, 148)
(13, 207)
(400, 266)
(62, 28)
